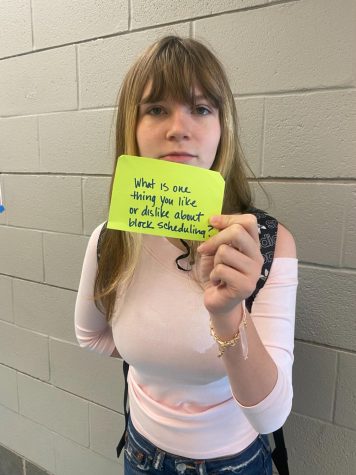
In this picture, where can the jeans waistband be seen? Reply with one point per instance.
(148, 454)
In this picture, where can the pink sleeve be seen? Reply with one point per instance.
(91, 328)
(273, 314)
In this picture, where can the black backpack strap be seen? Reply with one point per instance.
(268, 227)
(121, 444)
(279, 454)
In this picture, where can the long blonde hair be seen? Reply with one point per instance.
(174, 66)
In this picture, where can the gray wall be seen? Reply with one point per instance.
(292, 70)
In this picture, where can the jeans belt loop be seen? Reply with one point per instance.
(158, 459)
(201, 468)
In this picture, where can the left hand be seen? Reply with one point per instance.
(230, 262)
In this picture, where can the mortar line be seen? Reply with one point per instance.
(152, 27)
(318, 266)
(43, 258)
(336, 385)
(82, 199)
(263, 138)
(77, 74)
(23, 279)
(343, 234)
(89, 423)
(32, 30)
(38, 143)
(17, 392)
(67, 391)
(295, 92)
(129, 6)
(12, 300)
(265, 180)
(59, 174)
(113, 108)
(313, 180)
(326, 346)
(49, 359)
(323, 421)
(192, 29)
(47, 231)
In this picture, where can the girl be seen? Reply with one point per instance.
(191, 412)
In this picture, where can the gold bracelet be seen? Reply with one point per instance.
(223, 344)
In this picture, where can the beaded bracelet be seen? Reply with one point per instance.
(223, 344)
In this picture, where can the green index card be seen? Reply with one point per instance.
(165, 198)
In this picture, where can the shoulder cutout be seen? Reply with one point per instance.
(285, 245)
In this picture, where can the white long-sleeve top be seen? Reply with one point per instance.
(180, 397)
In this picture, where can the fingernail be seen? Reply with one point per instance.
(214, 220)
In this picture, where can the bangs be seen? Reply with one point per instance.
(175, 72)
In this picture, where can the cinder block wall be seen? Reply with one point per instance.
(292, 69)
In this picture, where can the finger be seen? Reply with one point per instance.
(248, 221)
(236, 284)
(237, 237)
(233, 258)
(238, 262)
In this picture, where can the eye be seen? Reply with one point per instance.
(202, 110)
(155, 111)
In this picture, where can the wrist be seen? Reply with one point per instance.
(239, 334)
(226, 325)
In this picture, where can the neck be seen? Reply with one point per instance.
(176, 243)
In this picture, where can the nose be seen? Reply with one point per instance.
(179, 126)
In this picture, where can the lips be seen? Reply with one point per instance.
(177, 157)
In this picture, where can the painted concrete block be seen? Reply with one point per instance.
(6, 309)
(94, 377)
(326, 307)
(21, 253)
(26, 437)
(159, 11)
(345, 409)
(40, 82)
(313, 212)
(349, 254)
(44, 309)
(54, 409)
(106, 429)
(314, 380)
(311, 135)
(64, 22)
(19, 144)
(96, 193)
(276, 48)
(71, 459)
(24, 350)
(63, 259)
(104, 63)
(51, 203)
(319, 448)
(15, 27)
(8, 388)
(77, 142)
(250, 114)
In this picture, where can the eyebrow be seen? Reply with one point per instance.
(197, 98)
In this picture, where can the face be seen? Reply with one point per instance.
(182, 133)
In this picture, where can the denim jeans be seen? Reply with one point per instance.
(142, 457)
